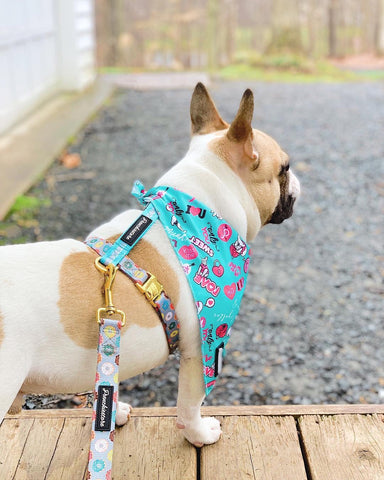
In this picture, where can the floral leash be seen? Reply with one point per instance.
(105, 403)
(106, 383)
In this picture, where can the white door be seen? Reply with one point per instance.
(28, 56)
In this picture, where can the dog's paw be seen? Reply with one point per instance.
(206, 432)
(123, 413)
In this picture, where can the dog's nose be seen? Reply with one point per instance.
(294, 185)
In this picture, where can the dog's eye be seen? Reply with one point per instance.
(284, 169)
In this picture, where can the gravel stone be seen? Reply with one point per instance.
(310, 329)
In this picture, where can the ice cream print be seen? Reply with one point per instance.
(215, 259)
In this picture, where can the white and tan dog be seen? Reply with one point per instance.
(50, 291)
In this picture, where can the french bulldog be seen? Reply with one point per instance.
(50, 290)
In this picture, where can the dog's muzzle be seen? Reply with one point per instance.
(287, 200)
(283, 210)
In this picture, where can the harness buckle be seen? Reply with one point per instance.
(109, 277)
(151, 288)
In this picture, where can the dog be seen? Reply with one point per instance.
(49, 291)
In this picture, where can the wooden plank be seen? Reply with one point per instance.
(39, 449)
(53, 444)
(70, 459)
(13, 436)
(152, 448)
(53, 413)
(347, 447)
(259, 448)
(252, 410)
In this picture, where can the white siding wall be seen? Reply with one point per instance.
(76, 43)
(45, 46)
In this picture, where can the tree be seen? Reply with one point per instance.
(212, 32)
(332, 28)
(286, 32)
(379, 28)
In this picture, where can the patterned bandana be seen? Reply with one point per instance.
(215, 260)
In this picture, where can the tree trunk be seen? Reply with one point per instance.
(379, 28)
(332, 28)
(213, 12)
(229, 25)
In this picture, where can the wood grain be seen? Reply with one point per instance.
(257, 443)
(70, 459)
(39, 449)
(259, 448)
(13, 437)
(153, 449)
(345, 447)
(251, 410)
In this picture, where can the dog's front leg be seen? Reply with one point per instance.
(197, 430)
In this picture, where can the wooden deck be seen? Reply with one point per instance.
(340, 442)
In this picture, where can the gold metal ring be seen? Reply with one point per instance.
(100, 266)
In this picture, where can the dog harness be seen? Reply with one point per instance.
(147, 284)
(214, 257)
(215, 260)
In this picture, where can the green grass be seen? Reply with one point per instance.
(372, 75)
(13, 241)
(279, 67)
(21, 215)
(286, 69)
(120, 70)
(27, 205)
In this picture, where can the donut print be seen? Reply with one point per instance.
(107, 368)
(101, 445)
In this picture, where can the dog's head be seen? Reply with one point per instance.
(256, 157)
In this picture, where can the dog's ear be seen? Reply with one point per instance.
(240, 130)
(204, 116)
(241, 127)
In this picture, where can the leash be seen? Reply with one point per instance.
(110, 320)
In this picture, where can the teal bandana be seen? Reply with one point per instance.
(215, 260)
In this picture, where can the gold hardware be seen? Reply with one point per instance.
(151, 288)
(109, 275)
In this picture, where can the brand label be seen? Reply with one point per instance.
(135, 231)
(219, 359)
(104, 408)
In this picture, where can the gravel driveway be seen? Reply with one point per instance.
(311, 325)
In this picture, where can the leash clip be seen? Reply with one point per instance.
(109, 273)
(151, 288)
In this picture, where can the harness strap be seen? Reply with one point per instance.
(116, 252)
(148, 285)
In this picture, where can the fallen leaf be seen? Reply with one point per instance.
(70, 160)
(81, 401)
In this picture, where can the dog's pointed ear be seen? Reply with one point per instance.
(240, 130)
(241, 127)
(204, 116)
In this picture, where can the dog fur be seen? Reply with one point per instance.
(49, 291)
